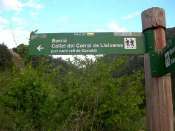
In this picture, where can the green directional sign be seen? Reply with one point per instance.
(169, 56)
(86, 43)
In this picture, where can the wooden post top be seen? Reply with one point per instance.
(153, 17)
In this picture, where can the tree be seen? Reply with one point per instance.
(5, 58)
(63, 96)
(29, 101)
(95, 100)
(22, 50)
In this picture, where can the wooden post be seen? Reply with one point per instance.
(158, 89)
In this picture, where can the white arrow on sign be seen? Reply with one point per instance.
(39, 48)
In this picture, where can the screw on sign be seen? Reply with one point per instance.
(130, 43)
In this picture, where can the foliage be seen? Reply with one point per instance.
(5, 58)
(98, 101)
(63, 96)
(22, 50)
(26, 99)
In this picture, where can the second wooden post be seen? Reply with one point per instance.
(158, 89)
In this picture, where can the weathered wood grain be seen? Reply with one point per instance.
(153, 17)
(158, 89)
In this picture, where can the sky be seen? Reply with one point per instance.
(19, 17)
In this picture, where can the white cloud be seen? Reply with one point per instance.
(112, 26)
(34, 13)
(13, 35)
(10, 5)
(17, 5)
(12, 38)
(131, 15)
(3, 21)
(115, 27)
(18, 21)
(33, 4)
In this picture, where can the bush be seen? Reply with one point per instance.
(5, 58)
(85, 98)
(28, 99)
